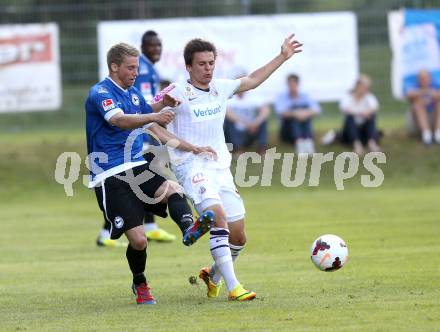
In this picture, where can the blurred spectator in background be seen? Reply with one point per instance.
(424, 98)
(245, 123)
(359, 107)
(296, 111)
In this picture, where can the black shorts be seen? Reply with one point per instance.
(124, 206)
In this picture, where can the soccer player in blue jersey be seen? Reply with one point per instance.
(124, 185)
(148, 79)
(148, 82)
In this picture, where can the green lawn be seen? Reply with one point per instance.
(53, 277)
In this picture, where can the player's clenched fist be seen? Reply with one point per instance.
(164, 118)
(169, 101)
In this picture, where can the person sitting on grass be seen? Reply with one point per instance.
(296, 111)
(245, 123)
(424, 98)
(359, 107)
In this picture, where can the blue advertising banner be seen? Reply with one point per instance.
(420, 46)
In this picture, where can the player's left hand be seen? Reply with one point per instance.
(200, 150)
(169, 101)
(290, 47)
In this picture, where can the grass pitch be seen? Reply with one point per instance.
(53, 277)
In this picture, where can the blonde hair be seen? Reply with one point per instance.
(363, 78)
(117, 53)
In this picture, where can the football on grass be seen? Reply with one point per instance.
(329, 252)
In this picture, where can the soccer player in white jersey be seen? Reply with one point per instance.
(206, 180)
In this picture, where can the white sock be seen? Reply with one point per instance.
(150, 227)
(104, 234)
(235, 251)
(221, 254)
(300, 146)
(437, 136)
(310, 146)
(215, 273)
(427, 137)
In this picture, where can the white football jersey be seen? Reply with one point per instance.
(199, 118)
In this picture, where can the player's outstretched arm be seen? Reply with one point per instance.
(288, 49)
(133, 121)
(173, 141)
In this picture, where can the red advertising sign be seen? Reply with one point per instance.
(37, 48)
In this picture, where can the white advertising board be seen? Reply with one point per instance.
(395, 28)
(328, 66)
(30, 76)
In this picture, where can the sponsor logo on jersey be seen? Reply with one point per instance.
(108, 104)
(207, 111)
(135, 99)
(119, 222)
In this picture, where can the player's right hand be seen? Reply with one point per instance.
(170, 101)
(163, 118)
(205, 151)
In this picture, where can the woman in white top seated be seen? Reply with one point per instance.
(360, 107)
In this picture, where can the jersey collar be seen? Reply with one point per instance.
(146, 59)
(116, 84)
(204, 90)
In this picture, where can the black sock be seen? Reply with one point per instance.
(106, 225)
(180, 211)
(149, 218)
(137, 260)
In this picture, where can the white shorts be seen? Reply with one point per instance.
(207, 186)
